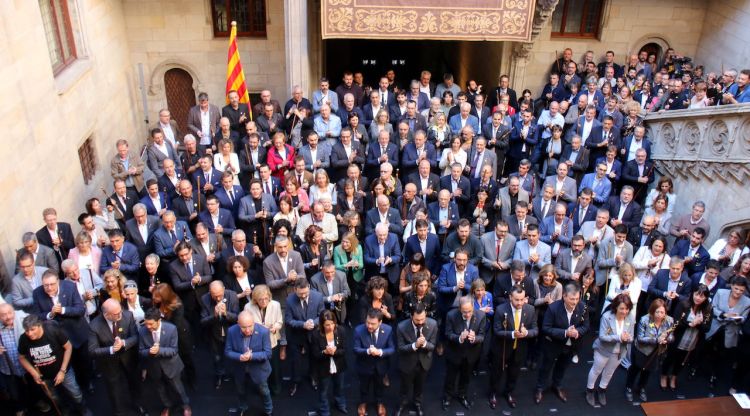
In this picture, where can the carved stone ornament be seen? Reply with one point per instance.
(718, 134)
(669, 137)
(691, 137)
(703, 170)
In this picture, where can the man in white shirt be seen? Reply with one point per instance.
(322, 219)
(88, 286)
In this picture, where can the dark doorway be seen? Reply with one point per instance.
(653, 49)
(178, 85)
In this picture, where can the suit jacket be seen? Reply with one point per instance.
(608, 338)
(574, 209)
(616, 168)
(489, 158)
(367, 364)
(373, 164)
(340, 285)
(513, 228)
(577, 129)
(491, 186)
(322, 360)
(457, 351)
(659, 285)
(699, 259)
(409, 359)
(66, 235)
(447, 281)
(218, 326)
(556, 324)
(234, 116)
(522, 253)
(181, 211)
(625, 149)
(163, 243)
(516, 142)
(433, 214)
(72, 320)
(130, 262)
(731, 327)
(431, 253)
(166, 362)
(264, 123)
(233, 205)
(166, 186)
(605, 259)
(503, 195)
(248, 168)
(194, 120)
(45, 257)
(295, 317)
(563, 264)
(21, 290)
(464, 184)
(501, 137)
(394, 221)
(635, 235)
(390, 249)
(340, 162)
(409, 158)
(246, 212)
(632, 215)
(134, 236)
(547, 228)
(473, 121)
(118, 171)
(275, 277)
(505, 284)
(307, 178)
(505, 325)
(156, 158)
(199, 177)
(630, 176)
(570, 188)
(225, 220)
(100, 340)
(483, 115)
(490, 255)
(580, 164)
(419, 121)
(165, 202)
(536, 206)
(602, 190)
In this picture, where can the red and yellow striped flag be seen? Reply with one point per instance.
(235, 75)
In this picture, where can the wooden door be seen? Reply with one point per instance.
(178, 85)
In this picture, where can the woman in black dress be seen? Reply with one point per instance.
(173, 312)
(314, 251)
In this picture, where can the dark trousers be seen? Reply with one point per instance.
(301, 360)
(514, 359)
(16, 389)
(674, 361)
(274, 380)
(81, 362)
(457, 377)
(412, 384)
(339, 397)
(174, 384)
(262, 388)
(217, 353)
(123, 387)
(634, 372)
(371, 381)
(555, 360)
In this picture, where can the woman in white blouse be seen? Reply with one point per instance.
(226, 159)
(134, 303)
(727, 250)
(659, 210)
(86, 255)
(664, 186)
(267, 312)
(647, 261)
(323, 186)
(624, 281)
(451, 155)
(104, 219)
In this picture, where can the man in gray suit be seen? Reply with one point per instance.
(160, 150)
(24, 282)
(331, 283)
(43, 255)
(565, 186)
(203, 121)
(533, 252)
(544, 204)
(508, 197)
(479, 157)
(158, 352)
(498, 249)
(281, 269)
(518, 223)
(572, 262)
(317, 155)
(613, 252)
(594, 232)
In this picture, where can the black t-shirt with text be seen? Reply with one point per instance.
(45, 353)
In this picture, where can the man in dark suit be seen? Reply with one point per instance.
(521, 141)
(56, 235)
(576, 157)
(503, 289)
(203, 132)
(170, 180)
(600, 139)
(415, 120)
(257, 208)
(427, 183)
(301, 317)
(382, 256)
(123, 199)
(480, 111)
(444, 213)
(503, 88)
(572, 262)
(373, 344)
(168, 235)
(632, 143)
(565, 324)
(354, 174)
(383, 213)
(639, 173)
(251, 155)
(459, 187)
(248, 346)
(582, 210)
(43, 255)
(207, 177)
(140, 230)
(189, 204)
(157, 348)
(672, 286)
(518, 222)
(120, 255)
(498, 136)
(219, 309)
(113, 343)
(190, 277)
(515, 324)
(345, 152)
(543, 205)
(426, 243)
(217, 220)
(694, 255)
(624, 210)
(236, 112)
(416, 339)
(229, 195)
(269, 121)
(241, 247)
(642, 236)
(58, 300)
(414, 152)
(381, 150)
(464, 332)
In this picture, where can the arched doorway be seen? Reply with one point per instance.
(178, 85)
(653, 48)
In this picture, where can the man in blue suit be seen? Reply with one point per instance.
(154, 197)
(598, 183)
(58, 300)
(444, 213)
(557, 230)
(455, 280)
(381, 150)
(219, 221)
(382, 256)
(463, 119)
(121, 255)
(229, 195)
(692, 251)
(582, 210)
(208, 178)
(301, 317)
(425, 243)
(612, 164)
(672, 286)
(168, 235)
(373, 344)
(416, 151)
(522, 140)
(587, 127)
(458, 186)
(632, 143)
(532, 252)
(248, 346)
(381, 212)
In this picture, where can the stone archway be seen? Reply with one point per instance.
(652, 43)
(156, 81)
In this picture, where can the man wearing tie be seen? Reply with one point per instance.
(464, 332)
(563, 328)
(582, 211)
(515, 324)
(498, 253)
(219, 309)
(426, 243)
(190, 277)
(479, 158)
(248, 346)
(168, 235)
(382, 255)
(416, 339)
(639, 173)
(373, 344)
(113, 343)
(301, 317)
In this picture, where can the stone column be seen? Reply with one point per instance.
(295, 40)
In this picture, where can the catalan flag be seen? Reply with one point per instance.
(235, 76)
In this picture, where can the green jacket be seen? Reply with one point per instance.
(339, 260)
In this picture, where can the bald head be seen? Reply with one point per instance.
(112, 310)
(216, 290)
(246, 323)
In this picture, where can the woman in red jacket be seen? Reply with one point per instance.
(280, 156)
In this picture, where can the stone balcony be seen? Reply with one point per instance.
(707, 154)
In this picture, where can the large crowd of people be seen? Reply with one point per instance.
(398, 224)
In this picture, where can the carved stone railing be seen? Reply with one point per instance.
(707, 153)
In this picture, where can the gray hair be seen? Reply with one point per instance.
(153, 257)
(67, 264)
(28, 237)
(189, 138)
(700, 204)
(140, 207)
(237, 233)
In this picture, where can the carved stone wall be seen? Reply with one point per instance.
(707, 154)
